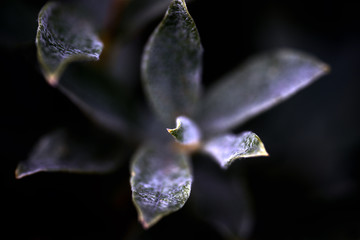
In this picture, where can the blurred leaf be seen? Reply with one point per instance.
(104, 100)
(172, 64)
(160, 183)
(123, 62)
(186, 131)
(69, 151)
(261, 83)
(63, 36)
(138, 13)
(221, 199)
(97, 11)
(227, 148)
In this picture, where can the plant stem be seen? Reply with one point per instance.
(117, 8)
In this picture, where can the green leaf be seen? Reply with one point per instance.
(63, 36)
(186, 131)
(160, 183)
(227, 148)
(65, 151)
(172, 64)
(264, 81)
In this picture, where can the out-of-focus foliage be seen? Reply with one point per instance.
(171, 70)
(63, 37)
(264, 81)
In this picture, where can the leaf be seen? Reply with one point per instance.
(264, 81)
(97, 12)
(138, 13)
(160, 183)
(172, 64)
(63, 36)
(64, 151)
(227, 148)
(221, 199)
(186, 131)
(100, 97)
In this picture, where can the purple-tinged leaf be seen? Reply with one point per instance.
(264, 81)
(101, 98)
(227, 148)
(160, 183)
(63, 36)
(172, 64)
(64, 151)
(221, 199)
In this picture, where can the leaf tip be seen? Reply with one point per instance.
(177, 131)
(20, 172)
(228, 148)
(52, 79)
(146, 221)
(256, 147)
(144, 224)
(171, 130)
(186, 131)
(262, 151)
(326, 68)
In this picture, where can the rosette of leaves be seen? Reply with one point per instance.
(198, 120)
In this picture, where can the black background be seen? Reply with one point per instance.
(307, 189)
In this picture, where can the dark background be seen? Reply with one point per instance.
(307, 189)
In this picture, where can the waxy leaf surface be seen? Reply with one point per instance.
(64, 36)
(160, 183)
(172, 64)
(261, 83)
(227, 148)
(186, 131)
(65, 151)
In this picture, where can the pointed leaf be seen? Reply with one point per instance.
(172, 64)
(102, 99)
(160, 183)
(227, 148)
(62, 151)
(138, 13)
(222, 200)
(63, 36)
(261, 83)
(186, 131)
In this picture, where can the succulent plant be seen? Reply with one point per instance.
(187, 118)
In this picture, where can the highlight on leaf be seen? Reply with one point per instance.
(227, 148)
(171, 68)
(186, 131)
(160, 183)
(262, 82)
(172, 64)
(64, 36)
